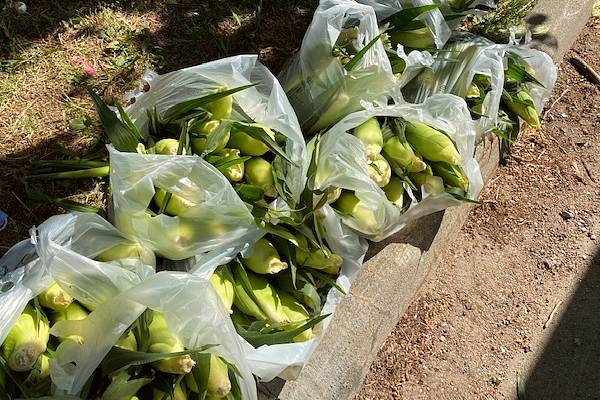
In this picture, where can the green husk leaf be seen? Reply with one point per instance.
(69, 165)
(201, 371)
(360, 54)
(258, 339)
(129, 123)
(325, 278)
(249, 193)
(184, 107)
(120, 136)
(223, 165)
(98, 172)
(260, 134)
(403, 17)
(118, 359)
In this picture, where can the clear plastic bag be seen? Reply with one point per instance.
(433, 19)
(464, 56)
(342, 164)
(120, 293)
(218, 221)
(321, 90)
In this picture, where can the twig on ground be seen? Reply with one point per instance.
(584, 69)
(555, 101)
(552, 314)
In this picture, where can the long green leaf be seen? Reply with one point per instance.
(261, 135)
(249, 193)
(360, 54)
(405, 16)
(223, 165)
(98, 172)
(189, 105)
(320, 275)
(118, 133)
(118, 358)
(129, 123)
(258, 339)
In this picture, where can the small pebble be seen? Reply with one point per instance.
(566, 215)
(593, 237)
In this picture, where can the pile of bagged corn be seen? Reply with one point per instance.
(240, 205)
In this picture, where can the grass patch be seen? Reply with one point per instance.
(495, 25)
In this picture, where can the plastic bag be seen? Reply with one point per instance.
(319, 87)
(542, 64)
(342, 164)
(23, 272)
(433, 19)
(464, 56)
(120, 292)
(218, 222)
(265, 103)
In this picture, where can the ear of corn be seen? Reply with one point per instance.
(526, 112)
(247, 144)
(128, 342)
(334, 195)
(26, 340)
(162, 341)
(128, 250)
(351, 205)
(269, 304)
(431, 144)
(55, 298)
(305, 292)
(206, 129)
(222, 281)
(259, 172)
(394, 191)
(218, 383)
(451, 174)
(369, 132)
(419, 178)
(221, 109)
(74, 312)
(177, 205)
(167, 147)
(420, 38)
(401, 153)
(40, 371)
(380, 171)
(296, 313)
(434, 185)
(473, 92)
(234, 173)
(335, 110)
(178, 394)
(264, 258)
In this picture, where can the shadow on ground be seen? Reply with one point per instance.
(190, 32)
(569, 366)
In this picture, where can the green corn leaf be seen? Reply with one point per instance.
(360, 54)
(69, 165)
(407, 15)
(129, 123)
(249, 193)
(98, 172)
(278, 231)
(240, 275)
(118, 359)
(325, 278)
(184, 107)
(118, 133)
(201, 371)
(258, 339)
(223, 165)
(260, 134)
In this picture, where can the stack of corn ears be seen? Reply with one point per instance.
(114, 323)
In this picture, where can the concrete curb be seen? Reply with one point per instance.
(396, 268)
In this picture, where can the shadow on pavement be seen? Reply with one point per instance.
(569, 366)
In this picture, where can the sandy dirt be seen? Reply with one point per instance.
(477, 328)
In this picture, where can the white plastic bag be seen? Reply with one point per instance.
(218, 221)
(120, 293)
(265, 103)
(23, 272)
(342, 164)
(464, 56)
(433, 19)
(542, 64)
(321, 90)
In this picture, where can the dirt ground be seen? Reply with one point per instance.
(477, 328)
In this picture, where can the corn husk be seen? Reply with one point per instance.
(26, 340)
(55, 298)
(259, 172)
(369, 132)
(218, 383)
(222, 282)
(162, 341)
(431, 143)
(394, 191)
